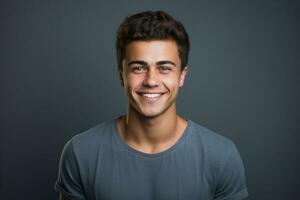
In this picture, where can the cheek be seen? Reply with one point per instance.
(171, 82)
(134, 82)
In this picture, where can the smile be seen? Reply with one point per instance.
(151, 96)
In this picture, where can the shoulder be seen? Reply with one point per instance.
(214, 147)
(79, 158)
(95, 133)
(84, 143)
(222, 161)
(210, 139)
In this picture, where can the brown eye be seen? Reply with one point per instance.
(137, 69)
(165, 69)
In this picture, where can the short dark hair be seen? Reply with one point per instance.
(152, 25)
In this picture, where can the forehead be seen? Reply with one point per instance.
(154, 49)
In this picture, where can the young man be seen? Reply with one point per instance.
(151, 153)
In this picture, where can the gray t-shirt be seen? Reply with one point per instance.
(98, 165)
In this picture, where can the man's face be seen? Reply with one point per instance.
(152, 76)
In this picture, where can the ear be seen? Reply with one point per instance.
(182, 76)
(121, 78)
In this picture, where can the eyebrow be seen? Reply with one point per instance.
(162, 62)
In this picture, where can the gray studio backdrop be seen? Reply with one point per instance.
(58, 78)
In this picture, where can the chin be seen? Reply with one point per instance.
(149, 114)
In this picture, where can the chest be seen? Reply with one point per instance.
(129, 177)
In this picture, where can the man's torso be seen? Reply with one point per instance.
(111, 169)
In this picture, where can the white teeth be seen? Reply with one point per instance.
(151, 95)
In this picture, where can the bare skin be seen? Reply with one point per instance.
(151, 143)
(152, 127)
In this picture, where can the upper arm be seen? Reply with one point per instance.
(69, 179)
(231, 180)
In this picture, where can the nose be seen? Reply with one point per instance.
(151, 78)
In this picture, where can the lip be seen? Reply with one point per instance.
(152, 100)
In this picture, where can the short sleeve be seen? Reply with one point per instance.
(231, 183)
(69, 181)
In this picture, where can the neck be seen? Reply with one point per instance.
(143, 130)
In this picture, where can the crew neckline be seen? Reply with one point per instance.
(151, 155)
